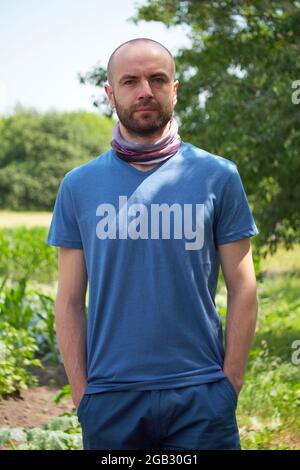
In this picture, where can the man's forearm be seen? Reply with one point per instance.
(240, 329)
(71, 336)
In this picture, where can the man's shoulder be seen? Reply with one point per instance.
(208, 160)
(83, 172)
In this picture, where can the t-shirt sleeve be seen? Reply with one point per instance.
(64, 230)
(234, 217)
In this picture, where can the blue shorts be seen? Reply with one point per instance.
(196, 417)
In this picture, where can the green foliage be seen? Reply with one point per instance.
(257, 261)
(273, 383)
(269, 405)
(17, 351)
(62, 433)
(14, 306)
(96, 78)
(270, 401)
(64, 392)
(46, 315)
(27, 310)
(26, 256)
(24, 253)
(38, 149)
(11, 436)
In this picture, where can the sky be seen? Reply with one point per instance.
(44, 45)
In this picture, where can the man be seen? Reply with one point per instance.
(148, 224)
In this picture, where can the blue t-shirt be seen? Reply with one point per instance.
(150, 241)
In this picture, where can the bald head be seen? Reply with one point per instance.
(136, 47)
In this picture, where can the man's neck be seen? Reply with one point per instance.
(140, 167)
(144, 140)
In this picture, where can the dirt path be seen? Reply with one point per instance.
(35, 407)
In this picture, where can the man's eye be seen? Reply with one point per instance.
(158, 80)
(128, 82)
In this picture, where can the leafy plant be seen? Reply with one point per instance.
(62, 433)
(14, 306)
(17, 354)
(46, 315)
(64, 392)
(24, 308)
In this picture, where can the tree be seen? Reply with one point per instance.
(38, 149)
(235, 98)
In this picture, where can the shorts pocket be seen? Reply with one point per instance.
(232, 389)
(84, 400)
(222, 401)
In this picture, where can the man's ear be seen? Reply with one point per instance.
(110, 95)
(176, 85)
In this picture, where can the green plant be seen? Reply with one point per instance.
(24, 308)
(46, 314)
(15, 308)
(61, 433)
(64, 392)
(17, 350)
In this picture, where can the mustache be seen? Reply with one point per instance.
(145, 104)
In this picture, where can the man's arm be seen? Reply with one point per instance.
(238, 270)
(70, 318)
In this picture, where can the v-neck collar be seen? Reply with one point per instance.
(142, 173)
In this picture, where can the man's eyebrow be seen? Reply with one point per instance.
(128, 77)
(159, 74)
(133, 77)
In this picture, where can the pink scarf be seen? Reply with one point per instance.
(146, 153)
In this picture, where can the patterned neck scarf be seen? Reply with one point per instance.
(146, 153)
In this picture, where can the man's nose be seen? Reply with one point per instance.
(144, 89)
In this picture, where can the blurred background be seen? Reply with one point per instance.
(239, 97)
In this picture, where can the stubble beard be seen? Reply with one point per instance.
(148, 123)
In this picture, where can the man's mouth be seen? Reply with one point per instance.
(145, 109)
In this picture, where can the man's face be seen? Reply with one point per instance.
(143, 90)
